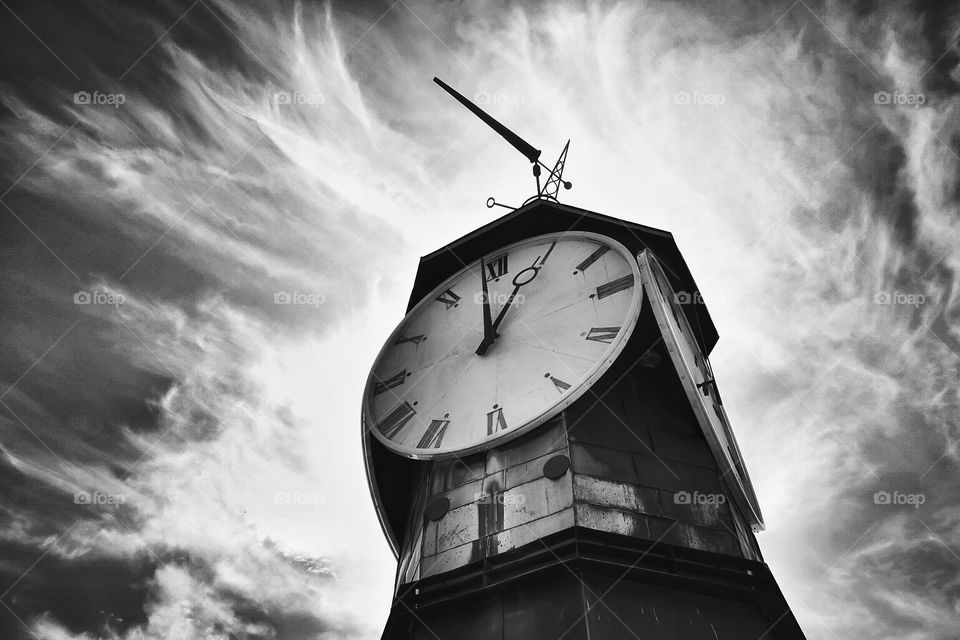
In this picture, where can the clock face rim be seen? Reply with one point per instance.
(600, 366)
(743, 488)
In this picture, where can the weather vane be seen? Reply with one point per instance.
(550, 188)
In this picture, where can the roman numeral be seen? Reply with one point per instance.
(543, 260)
(614, 286)
(593, 257)
(496, 268)
(393, 381)
(391, 425)
(448, 298)
(414, 339)
(559, 384)
(433, 435)
(603, 334)
(496, 421)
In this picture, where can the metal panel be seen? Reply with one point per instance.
(447, 474)
(631, 610)
(536, 499)
(458, 527)
(450, 559)
(603, 462)
(612, 520)
(713, 511)
(548, 611)
(651, 411)
(606, 426)
(530, 531)
(615, 494)
(549, 437)
(690, 449)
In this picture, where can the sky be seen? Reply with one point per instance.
(180, 454)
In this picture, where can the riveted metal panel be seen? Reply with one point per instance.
(530, 531)
(675, 476)
(457, 527)
(465, 493)
(650, 411)
(450, 559)
(712, 510)
(448, 474)
(536, 499)
(601, 425)
(603, 462)
(683, 448)
(625, 523)
(615, 494)
(526, 471)
(549, 437)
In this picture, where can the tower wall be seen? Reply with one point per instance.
(639, 466)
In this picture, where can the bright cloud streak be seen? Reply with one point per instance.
(752, 132)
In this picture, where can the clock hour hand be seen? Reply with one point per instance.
(489, 335)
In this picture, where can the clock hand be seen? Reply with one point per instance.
(516, 288)
(488, 332)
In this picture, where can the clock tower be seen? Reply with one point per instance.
(547, 448)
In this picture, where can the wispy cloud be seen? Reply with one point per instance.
(243, 211)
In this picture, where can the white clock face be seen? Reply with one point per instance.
(455, 378)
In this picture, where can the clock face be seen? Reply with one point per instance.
(458, 375)
(699, 384)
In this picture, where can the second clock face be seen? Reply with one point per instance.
(459, 375)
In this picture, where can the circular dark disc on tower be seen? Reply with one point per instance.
(556, 466)
(437, 508)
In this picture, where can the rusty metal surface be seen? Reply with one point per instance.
(497, 502)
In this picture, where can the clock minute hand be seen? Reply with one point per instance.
(489, 334)
(516, 288)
